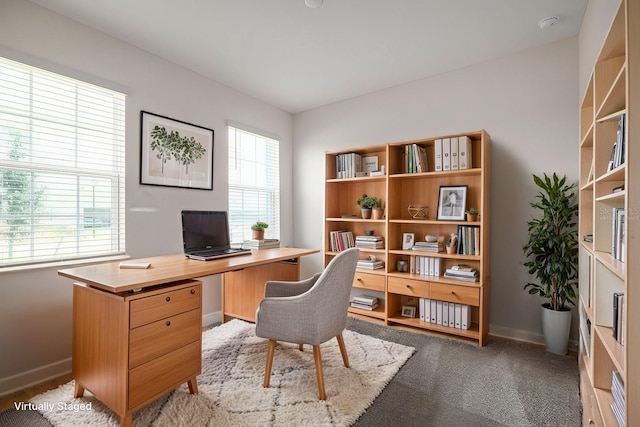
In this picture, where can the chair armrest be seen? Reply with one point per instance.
(274, 288)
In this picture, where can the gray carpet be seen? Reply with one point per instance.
(452, 383)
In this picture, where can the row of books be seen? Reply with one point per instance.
(619, 310)
(415, 159)
(453, 153)
(370, 265)
(618, 235)
(369, 242)
(427, 265)
(365, 302)
(261, 244)
(462, 272)
(617, 390)
(352, 165)
(468, 240)
(617, 151)
(445, 313)
(341, 240)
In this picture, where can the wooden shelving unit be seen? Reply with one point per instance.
(614, 83)
(398, 190)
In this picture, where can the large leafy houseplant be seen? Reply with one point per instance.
(552, 248)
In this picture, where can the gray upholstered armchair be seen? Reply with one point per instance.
(311, 311)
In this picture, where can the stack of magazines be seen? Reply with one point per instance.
(261, 244)
(369, 242)
(365, 302)
(462, 272)
(428, 246)
(370, 264)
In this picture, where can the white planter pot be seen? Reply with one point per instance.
(556, 326)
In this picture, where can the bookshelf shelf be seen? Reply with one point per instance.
(399, 190)
(609, 299)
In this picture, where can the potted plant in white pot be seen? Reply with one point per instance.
(552, 257)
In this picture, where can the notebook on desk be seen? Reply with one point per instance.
(205, 236)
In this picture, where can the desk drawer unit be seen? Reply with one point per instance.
(156, 307)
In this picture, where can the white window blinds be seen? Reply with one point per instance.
(62, 167)
(254, 184)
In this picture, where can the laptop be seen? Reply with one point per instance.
(205, 236)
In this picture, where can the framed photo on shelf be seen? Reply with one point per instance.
(408, 311)
(174, 153)
(452, 202)
(408, 240)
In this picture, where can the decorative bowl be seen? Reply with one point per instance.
(430, 238)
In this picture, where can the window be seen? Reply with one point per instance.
(61, 167)
(254, 184)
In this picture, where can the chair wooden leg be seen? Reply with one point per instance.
(301, 347)
(267, 369)
(343, 350)
(317, 357)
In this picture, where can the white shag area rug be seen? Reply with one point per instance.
(230, 386)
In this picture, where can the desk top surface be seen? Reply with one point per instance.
(171, 268)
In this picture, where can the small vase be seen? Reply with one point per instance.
(472, 217)
(258, 234)
(366, 213)
(378, 213)
(451, 250)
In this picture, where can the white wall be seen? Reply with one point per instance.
(528, 102)
(36, 306)
(597, 20)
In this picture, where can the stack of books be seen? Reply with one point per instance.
(428, 247)
(261, 244)
(370, 265)
(462, 272)
(369, 242)
(617, 390)
(365, 302)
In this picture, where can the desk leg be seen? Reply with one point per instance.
(193, 386)
(78, 390)
(126, 420)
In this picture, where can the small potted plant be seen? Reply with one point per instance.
(367, 203)
(452, 244)
(472, 215)
(258, 230)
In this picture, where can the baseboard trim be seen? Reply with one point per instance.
(211, 318)
(524, 336)
(34, 377)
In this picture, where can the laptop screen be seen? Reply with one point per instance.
(205, 230)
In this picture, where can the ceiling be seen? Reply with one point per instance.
(297, 58)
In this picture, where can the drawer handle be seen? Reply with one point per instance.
(408, 286)
(168, 299)
(453, 293)
(193, 291)
(168, 323)
(359, 279)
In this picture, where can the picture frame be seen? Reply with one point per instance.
(452, 202)
(408, 239)
(174, 153)
(408, 311)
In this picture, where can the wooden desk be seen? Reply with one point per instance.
(137, 332)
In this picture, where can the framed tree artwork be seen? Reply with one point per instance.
(174, 153)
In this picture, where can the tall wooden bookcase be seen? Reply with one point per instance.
(398, 190)
(607, 268)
